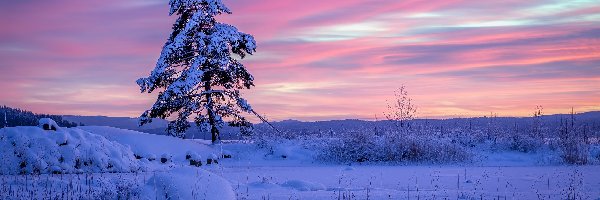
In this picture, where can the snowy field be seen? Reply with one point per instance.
(414, 182)
(311, 181)
(285, 170)
(499, 175)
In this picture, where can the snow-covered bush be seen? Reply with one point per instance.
(27, 150)
(151, 157)
(573, 142)
(595, 153)
(525, 143)
(212, 159)
(353, 147)
(189, 154)
(166, 158)
(48, 124)
(193, 158)
(392, 147)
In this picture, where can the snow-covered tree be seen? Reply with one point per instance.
(401, 110)
(536, 125)
(198, 73)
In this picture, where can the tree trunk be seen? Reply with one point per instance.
(215, 134)
(214, 131)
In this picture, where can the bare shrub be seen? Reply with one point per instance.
(573, 142)
(393, 147)
(401, 109)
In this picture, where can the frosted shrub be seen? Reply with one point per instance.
(525, 143)
(353, 147)
(574, 152)
(267, 138)
(393, 147)
(573, 142)
(532, 139)
(595, 153)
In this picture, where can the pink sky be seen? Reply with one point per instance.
(316, 59)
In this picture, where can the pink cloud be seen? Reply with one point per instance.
(315, 59)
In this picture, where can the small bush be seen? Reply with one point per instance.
(573, 142)
(166, 158)
(393, 147)
(524, 143)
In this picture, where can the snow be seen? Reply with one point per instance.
(66, 150)
(303, 185)
(414, 182)
(187, 79)
(49, 123)
(262, 172)
(145, 145)
(94, 149)
(213, 6)
(259, 173)
(188, 183)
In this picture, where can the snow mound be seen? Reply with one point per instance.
(48, 124)
(303, 185)
(187, 183)
(27, 150)
(263, 185)
(289, 150)
(148, 145)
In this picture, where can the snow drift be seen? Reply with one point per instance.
(147, 145)
(187, 183)
(27, 150)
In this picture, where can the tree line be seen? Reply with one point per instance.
(11, 117)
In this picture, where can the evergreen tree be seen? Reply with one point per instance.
(196, 69)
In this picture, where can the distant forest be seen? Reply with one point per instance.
(10, 117)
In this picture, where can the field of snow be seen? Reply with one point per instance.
(285, 171)
(260, 174)
(414, 182)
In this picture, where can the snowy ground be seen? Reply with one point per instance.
(506, 175)
(317, 182)
(414, 182)
(117, 164)
(254, 173)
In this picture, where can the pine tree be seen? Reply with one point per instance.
(198, 72)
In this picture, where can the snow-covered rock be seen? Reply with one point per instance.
(48, 124)
(165, 158)
(68, 150)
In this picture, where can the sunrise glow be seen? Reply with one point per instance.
(316, 60)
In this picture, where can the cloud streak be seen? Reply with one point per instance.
(316, 59)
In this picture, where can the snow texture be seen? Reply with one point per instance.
(153, 146)
(28, 150)
(47, 123)
(303, 185)
(188, 183)
(262, 173)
